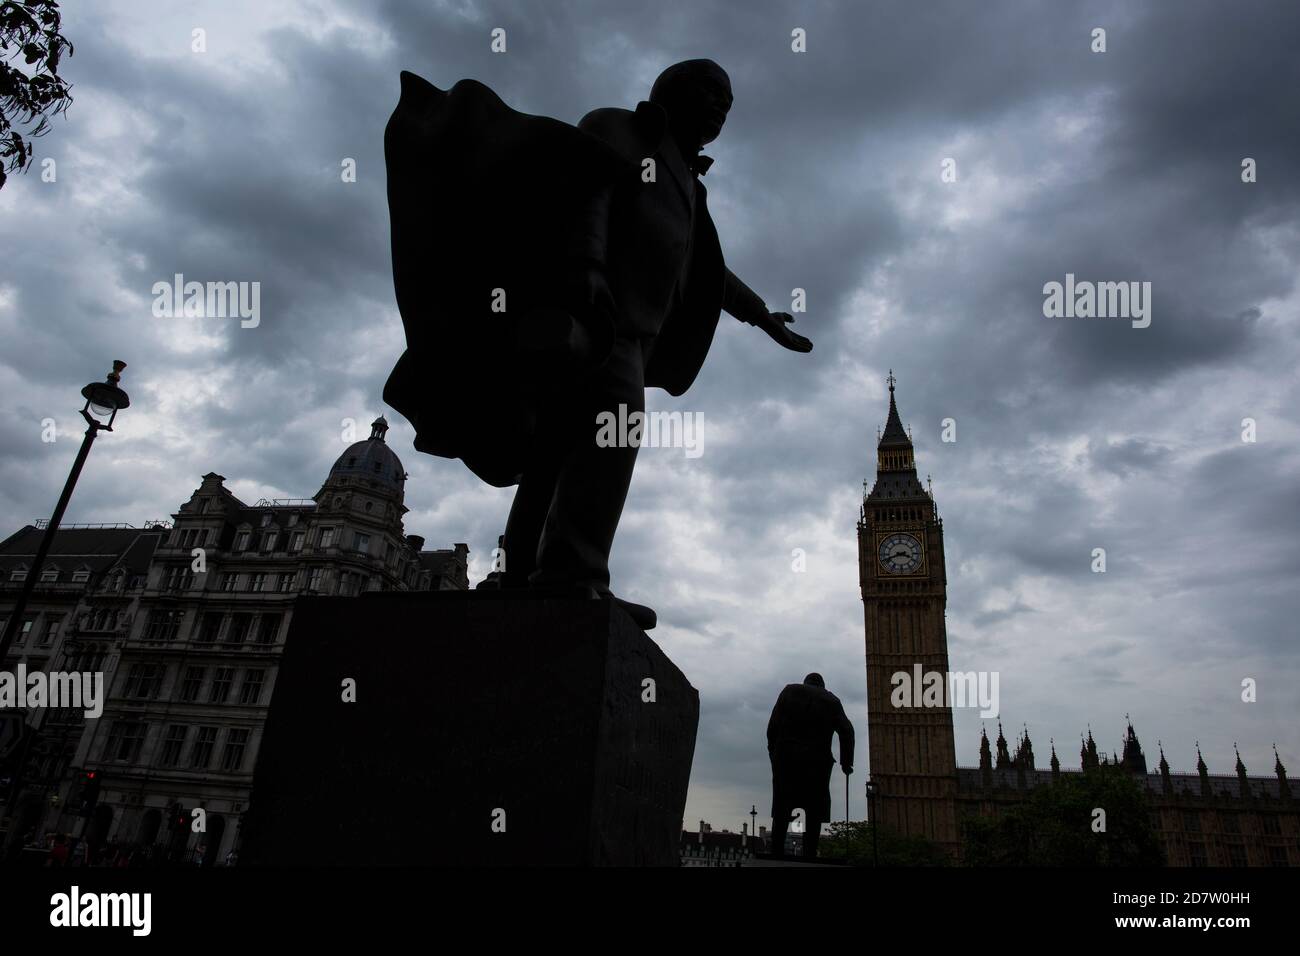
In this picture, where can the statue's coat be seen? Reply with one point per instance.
(482, 197)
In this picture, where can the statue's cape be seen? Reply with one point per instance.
(485, 204)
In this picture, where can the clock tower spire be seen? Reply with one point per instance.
(904, 594)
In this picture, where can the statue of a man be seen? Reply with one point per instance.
(799, 745)
(547, 274)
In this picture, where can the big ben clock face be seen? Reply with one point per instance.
(900, 554)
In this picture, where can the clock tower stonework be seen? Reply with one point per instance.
(904, 595)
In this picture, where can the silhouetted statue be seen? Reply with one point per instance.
(545, 274)
(799, 745)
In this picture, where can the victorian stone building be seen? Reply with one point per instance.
(189, 619)
(1203, 819)
(85, 601)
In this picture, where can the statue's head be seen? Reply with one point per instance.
(696, 94)
(815, 680)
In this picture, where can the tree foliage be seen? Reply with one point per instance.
(851, 842)
(31, 90)
(1055, 826)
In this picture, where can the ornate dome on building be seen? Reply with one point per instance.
(371, 460)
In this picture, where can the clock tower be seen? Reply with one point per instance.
(904, 594)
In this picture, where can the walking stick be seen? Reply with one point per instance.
(846, 806)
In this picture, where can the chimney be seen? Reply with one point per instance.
(416, 542)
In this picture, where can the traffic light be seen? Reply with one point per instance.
(90, 781)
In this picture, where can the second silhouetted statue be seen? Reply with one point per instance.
(547, 274)
(799, 744)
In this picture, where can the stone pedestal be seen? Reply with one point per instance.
(489, 728)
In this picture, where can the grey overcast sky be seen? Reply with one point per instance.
(1072, 433)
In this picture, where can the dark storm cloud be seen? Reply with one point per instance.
(1071, 434)
(1129, 456)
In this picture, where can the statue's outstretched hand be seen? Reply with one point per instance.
(776, 324)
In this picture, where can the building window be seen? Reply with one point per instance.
(144, 680)
(266, 519)
(1237, 855)
(201, 755)
(91, 658)
(1277, 856)
(293, 519)
(18, 575)
(80, 577)
(257, 582)
(173, 744)
(49, 576)
(295, 542)
(21, 636)
(180, 578)
(221, 681)
(210, 627)
(326, 537)
(193, 681)
(361, 542)
(1231, 823)
(267, 628)
(125, 740)
(232, 758)
(240, 625)
(1196, 852)
(250, 692)
(1268, 823)
(241, 541)
(268, 541)
(1192, 821)
(317, 576)
(163, 625)
(286, 582)
(51, 630)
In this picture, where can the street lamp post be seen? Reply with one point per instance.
(103, 401)
(875, 824)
